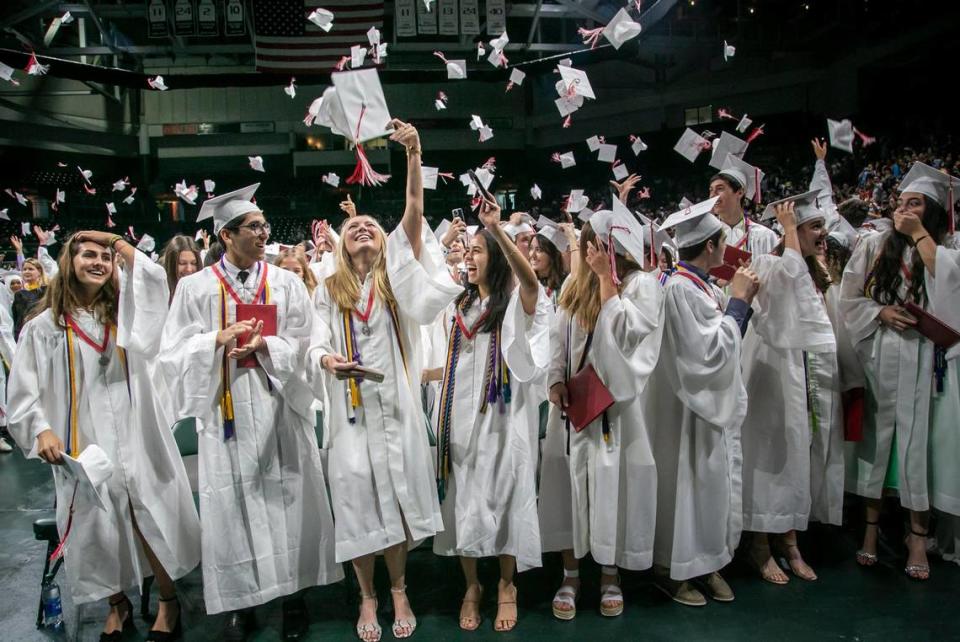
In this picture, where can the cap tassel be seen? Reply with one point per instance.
(756, 191)
(566, 122)
(653, 251)
(363, 172)
(755, 134)
(612, 254)
(590, 36)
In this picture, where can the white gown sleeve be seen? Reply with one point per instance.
(423, 288)
(189, 355)
(788, 311)
(144, 297)
(945, 293)
(557, 372)
(50, 268)
(24, 410)
(859, 312)
(321, 340)
(526, 337)
(707, 350)
(8, 345)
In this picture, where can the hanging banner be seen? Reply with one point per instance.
(496, 17)
(235, 25)
(157, 19)
(447, 15)
(405, 18)
(183, 12)
(207, 18)
(426, 20)
(469, 17)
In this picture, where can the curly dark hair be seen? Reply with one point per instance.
(499, 278)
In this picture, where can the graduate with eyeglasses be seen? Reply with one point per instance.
(231, 355)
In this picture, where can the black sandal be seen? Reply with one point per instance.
(919, 572)
(176, 633)
(864, 558)
(127, 625)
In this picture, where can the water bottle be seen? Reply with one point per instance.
(52, 608)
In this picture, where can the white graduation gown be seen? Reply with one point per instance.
(8, 348)
(612, 513)
(103, 556)
(696, 403)
(789, 359)
(945, 413)
(899, 371)
(267, 526)
(762, 239)
(380, 469)
(490, 507)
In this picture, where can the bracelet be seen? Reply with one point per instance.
(413, 151)
(575, 249)
(917, 242)
(114, 240)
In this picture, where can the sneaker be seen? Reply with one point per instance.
(5, 446)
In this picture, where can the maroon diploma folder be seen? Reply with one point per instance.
(588, 397)
(260, 312)
(933, 328)
(732, 258)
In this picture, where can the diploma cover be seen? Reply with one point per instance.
(266, 312)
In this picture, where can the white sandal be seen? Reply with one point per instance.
(374, 627)
(566, 595)
(399, 625)
(611, 593)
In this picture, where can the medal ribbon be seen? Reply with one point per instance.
(686, 272)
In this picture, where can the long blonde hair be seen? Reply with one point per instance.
(580, 297)
(309, 278)
(344, 284)
(38, 266)
(62, 295)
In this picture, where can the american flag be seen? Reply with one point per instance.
(286, 42)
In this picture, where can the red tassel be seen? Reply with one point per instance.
(363, 172)
(590, 36)
(756, 133)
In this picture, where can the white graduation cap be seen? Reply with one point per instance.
(227, 207)
(66, 18)
(441, 230)
(535, 192)
(497, 59)
(86, 173)
(6, 72)
(748, 176)
(429, 177)
(843, 233)
(607, 153)
(585, 215)
(256, 163)
(621, 29)
(517, 76)
(146, 243)
(575, 202)
(691, 144)
(157, 83)
(25, 228)
(373, 36)
(576, 82)
(111, 208)
(20, 198)
(638, 146)
(729, 51)
(291, 89)
(456, 69)
(481, 51)
(552, 232)
(5, 214)
(322, 18)
(932, 183)
(694, 224)
(620, 171)
(185, 192)
(357, 55)
(130, 199)
(841, 134)
(593, 143)
(806, 207)
(513, 231)
(628, 233)
(331, 179)
(567, 160)
(567, 105)
(727, 144)
(486, 133)
(61, 196)
(91, 470)
(120, 185)
(209, 186)
(34, 68)
(355, 106)
(653, 233)
(744, 124)
(500, 42)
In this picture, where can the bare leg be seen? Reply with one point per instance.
(506, 595)
(917, 565)
(571, 580)
(792, 552)
(367, 626)
(867, 555)
(168, 608)
(764, 562)
(470, 609)
(396, 560)
(119, 613)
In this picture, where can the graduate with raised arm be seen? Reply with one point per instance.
(734, 182)
(267, 527)
(598, 486)
(910, 441)
(81, 387)
(696, 403)
(370, 312)
(497, 355)
(792, 436)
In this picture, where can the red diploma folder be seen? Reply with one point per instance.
(260, 312)
(933, 328)
(588, 398)
(732, 258)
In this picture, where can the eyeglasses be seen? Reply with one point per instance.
(257, 228)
